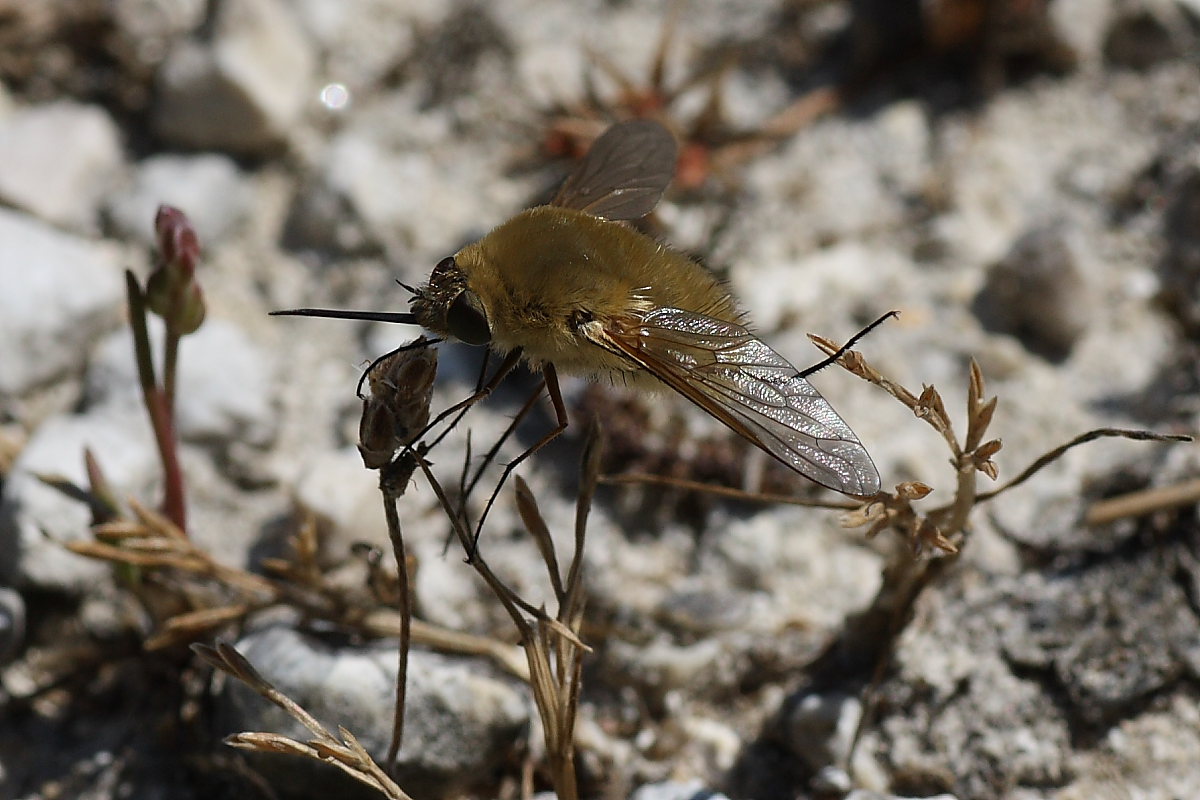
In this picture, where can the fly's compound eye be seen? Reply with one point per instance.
(467, 319)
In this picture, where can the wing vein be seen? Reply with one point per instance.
(734, 376)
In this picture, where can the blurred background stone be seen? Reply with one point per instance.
(1038, 293)
(60, 161)
(461, 720)
(36, 520)
(244, 88)
(209, 186)
(62, 294)
(227, 384)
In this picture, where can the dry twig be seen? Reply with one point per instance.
(344, 753)
(552, 646)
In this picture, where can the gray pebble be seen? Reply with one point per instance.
(244, 89)
(705, 611)
(460, 721)
(1142, 35)
(226, 383)
(60, 293)
(1038, 293)
(675, 790)
(12, 623)
(208, 187)
(820, 727)
(344, 497)
(831, 781)
(36, 520)
(59, 161)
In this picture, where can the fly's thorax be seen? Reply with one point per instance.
(547, 263)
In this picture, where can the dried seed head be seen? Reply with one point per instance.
(912, 490)
(396, 409)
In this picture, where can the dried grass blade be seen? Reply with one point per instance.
(226, 658)
(190, 625)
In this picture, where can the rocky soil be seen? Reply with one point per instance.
(1019, 178)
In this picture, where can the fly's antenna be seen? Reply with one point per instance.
(841, 351)
(410, 289)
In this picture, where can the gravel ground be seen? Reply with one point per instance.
(1019, 178)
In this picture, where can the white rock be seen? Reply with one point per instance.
(60, 293)
(820, 727)
(243, 90)
(667, 666)
(226, 382)
(813, 287)
(410, 186)
(152, 22)
(675, 790)
(59, 160)
(12, 623)
(823, 180)
(208, 187)
(459, 720)
(819, 577)
(390, 191)
(36, 520)
(344, 495)
(362, 40)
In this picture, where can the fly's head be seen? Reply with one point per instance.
(446, 306)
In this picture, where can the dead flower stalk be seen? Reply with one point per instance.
(552, 645)
(870, 640)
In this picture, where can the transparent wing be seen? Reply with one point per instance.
(624, 174)
(735, 377)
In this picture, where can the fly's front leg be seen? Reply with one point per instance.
(510, 361)
(560, 414)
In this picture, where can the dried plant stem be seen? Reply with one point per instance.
(390, 491)
(347, 754)
(883, 623)
(385, 622)
(153, 542)
(1083, 438)
(802, 112)
(1147, 501)
(552, 647)
(869, 640)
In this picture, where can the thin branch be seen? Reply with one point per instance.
(1083, 438)
(1141, 503)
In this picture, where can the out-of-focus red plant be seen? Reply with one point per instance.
(172, 293)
